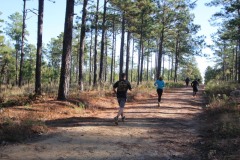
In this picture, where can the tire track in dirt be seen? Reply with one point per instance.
(168, 132)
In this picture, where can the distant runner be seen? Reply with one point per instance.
(122, 87)
(187, 80)
(195, 85)
(159, 85)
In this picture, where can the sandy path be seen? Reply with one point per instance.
(168, 132)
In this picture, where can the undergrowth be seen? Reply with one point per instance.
(18, 131)
(222, 122)
(23, 114)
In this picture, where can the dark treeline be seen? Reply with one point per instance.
(226, 45)
(143, 38)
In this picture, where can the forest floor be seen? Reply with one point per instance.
(168, 132)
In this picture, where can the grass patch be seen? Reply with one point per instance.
(222, 133)
(218, 88)
(221, 127)
(171, 84)
(18, 131)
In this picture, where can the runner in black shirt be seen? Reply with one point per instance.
(122, 87)
(195, 85)
(187, 81)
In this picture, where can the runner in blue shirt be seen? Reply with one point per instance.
(159, 85)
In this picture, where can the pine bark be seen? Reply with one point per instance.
(22, 45)
(82, 44)
(102, 42)
(95, 47)
(67, 48)
(122, 45)
(38, 89)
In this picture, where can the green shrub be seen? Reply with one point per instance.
(219, 88)
(171, 84)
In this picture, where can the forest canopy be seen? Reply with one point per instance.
(145, 39)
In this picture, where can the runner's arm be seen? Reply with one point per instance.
(129, 86)
(114, 87)
(114, 90)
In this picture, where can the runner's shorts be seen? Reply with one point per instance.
(195, 89)
(121, 102)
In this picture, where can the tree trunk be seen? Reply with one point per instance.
(138, 65)
(238, 45)
(95, 47)
(171, 75)
(122, 45)
(113, 46)
(67, 48)
(163, 65)
(156, 64)
(224, 63)
(148, 61)
(16, 66)
(142, 60)
(236, 64)
(102, 41)
(38, 89)
(132, 61)
(22, 45)
(169, 66)
(114, 57)
(82, 43)
(160, 54)
(128, 53)
(176, 58)
(90, 60)
(105, 59)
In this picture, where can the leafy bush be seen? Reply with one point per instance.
(171, 84)
(216, 88)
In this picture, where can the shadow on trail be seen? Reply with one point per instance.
(133, 122)
(170, 136)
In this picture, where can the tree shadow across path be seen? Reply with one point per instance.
(169, 132)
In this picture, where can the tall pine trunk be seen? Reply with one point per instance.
(142, 60)
(171, 75)
(90, 59)
(95, 47)
(105, 59)
(67, 48)
(148, 61)
(163, 59)
(132, 61)
(16, 66)
(128, 53)
(22, 45)
(102, 42)
(82, 43)
(114, 57)
(159, 69)
(138, 65)
(169, 66)
(122, 45)
(238, 41)
(38, 89)
(236, 63)
(113, 50)
(176, 58)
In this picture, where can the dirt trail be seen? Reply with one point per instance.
(165, 133)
